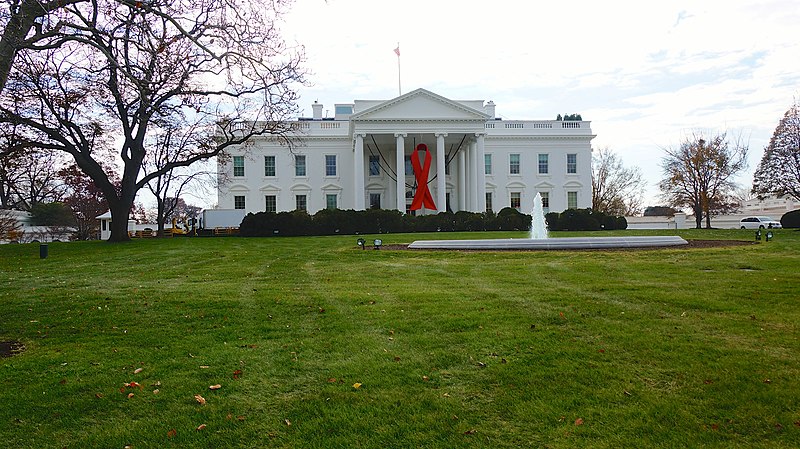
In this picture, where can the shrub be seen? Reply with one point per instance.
(791, 219)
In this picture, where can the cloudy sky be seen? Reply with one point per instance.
(647, 74)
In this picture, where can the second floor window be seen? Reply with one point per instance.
(513, 164)
(238, 166)
(572, 163)
(269, 165)
(374, 166)
(544, 164)
(330, 165)
(487, 163)
(299, 165)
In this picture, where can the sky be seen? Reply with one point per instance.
(646, 74)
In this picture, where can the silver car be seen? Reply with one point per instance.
(759, 223)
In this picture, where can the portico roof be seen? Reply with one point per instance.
(419, 111)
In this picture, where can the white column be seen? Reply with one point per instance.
(481, 173)
(358, 175)
(473, 177)
(401, 172)
(462, 180)
(441, 200)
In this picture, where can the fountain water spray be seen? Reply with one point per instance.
(538, 223)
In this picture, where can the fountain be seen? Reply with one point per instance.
(538, 223)
(540, 240)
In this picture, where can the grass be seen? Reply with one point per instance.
(608, 349)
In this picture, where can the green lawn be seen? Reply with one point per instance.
(642, 349)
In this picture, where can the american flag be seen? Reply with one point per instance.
(397, 51)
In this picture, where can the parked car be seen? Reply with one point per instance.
(759, 223)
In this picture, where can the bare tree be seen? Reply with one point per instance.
(28, 24)
(167, 144)
(779, 169)
(9, 225)
(616, 189)
(699, 174)
(218, 66)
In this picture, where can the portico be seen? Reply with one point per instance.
(454, 133)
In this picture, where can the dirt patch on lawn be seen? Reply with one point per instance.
(693, 244)
(10, 348)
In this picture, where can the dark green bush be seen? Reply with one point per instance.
(382, 221)
(791, 219)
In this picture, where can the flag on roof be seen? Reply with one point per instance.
(397, 51)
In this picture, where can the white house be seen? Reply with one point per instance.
(362, 158)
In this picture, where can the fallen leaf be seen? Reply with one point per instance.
(396, 358)
(797, 423)
(579, 422)
(156, 391)
(767, 381)
(98, 395)
(425, 378)
(204, 366)
(214, 387)
(470, 432)
(715, 426)
(778, 426)
(130, 395)
(230, 416)
(240, 418)
(172, 433)
(561, 314)
(237, 374)
(62, 381)
(138, 370)
(201, 427)
(356, 385)
(332, 380)
(200, 400)
(601, 351)
(288, 423)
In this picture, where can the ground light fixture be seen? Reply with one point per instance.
(769, 235)
(758, 235)
(377, 243)
(360, 242)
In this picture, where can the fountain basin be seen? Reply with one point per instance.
(552, 243)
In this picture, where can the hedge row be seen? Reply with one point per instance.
(584, 220)
(381, 221)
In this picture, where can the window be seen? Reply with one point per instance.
(489, 202)
(572, 163)
(300, 202)
(330, 201)
(299, 165)
(269, 165)
(343, 109)
(544, 164)
(374, 200)
(572, 200)
(271, 204)
(409, 167)
(330, 165)
(487, 162)
(238, 202)
(447, 202)
(238, 166)
(545, 201)
(513, 164)
(516, 200)
(374, 165)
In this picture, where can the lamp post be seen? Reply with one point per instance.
(360, 242)
(377, 243)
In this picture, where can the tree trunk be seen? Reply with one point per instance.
(698, 218)
(119, 220)
(160, 216)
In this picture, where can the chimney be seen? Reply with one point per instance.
(317, 108)
(489, 108)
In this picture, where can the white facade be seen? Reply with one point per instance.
(359, 159)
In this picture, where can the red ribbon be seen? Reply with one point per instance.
(423, 196)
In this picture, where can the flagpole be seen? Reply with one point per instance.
(397, 52)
